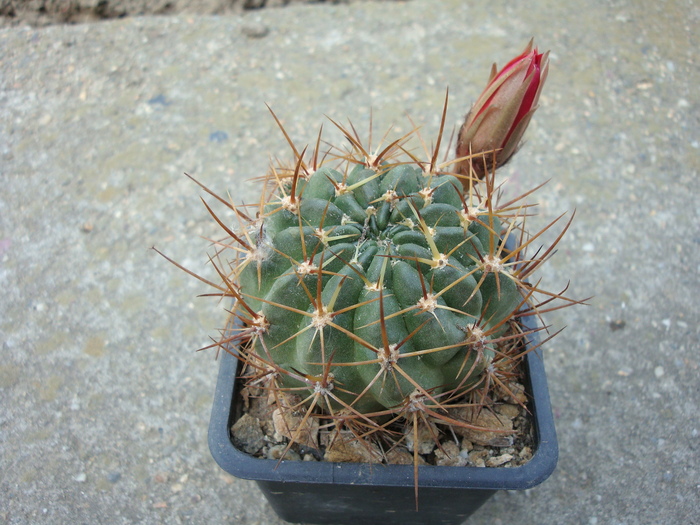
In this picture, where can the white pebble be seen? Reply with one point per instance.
(659, 371)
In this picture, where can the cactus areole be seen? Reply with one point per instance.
(374, 284)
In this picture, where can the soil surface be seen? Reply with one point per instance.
(263, 429)
(46, 12)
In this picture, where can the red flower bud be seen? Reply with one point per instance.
(494, 126)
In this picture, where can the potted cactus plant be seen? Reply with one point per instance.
(380, 297)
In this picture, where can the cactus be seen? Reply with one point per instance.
(350, 275)
(377, 289)
(373, 284)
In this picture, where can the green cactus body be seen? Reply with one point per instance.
(382, 277)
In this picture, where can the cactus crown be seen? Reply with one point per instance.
(377, 287)
(376, 282)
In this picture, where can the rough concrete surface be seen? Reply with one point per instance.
(105, 403)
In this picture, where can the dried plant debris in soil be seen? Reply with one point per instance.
(263, 428)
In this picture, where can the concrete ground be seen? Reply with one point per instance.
(105, 403)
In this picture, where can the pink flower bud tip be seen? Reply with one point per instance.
(495, 125)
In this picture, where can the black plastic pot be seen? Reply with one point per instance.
(352, 493)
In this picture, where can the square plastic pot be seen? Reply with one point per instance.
(352, 493)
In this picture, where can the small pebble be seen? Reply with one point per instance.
(477, 457)
(278, 451)
(218, 136)
(498, 460)
(426, 438)
(401, 456)
(253, 30)
(158, 100)
(449, 456)
(113, 477)
(247, 434)
(509, 410)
